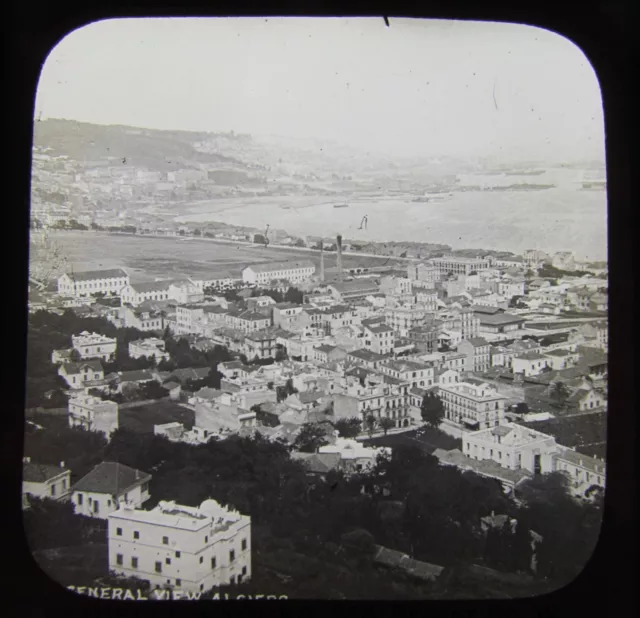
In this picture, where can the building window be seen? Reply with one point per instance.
(213, 563)
(136, 534)
(201, 559)
(158, 567)
(232, 580)
(232, 555)
(53, 490)
(119, 531)
(244, 570)
(167, 561)
(134, 562)
(206, 539)
(80, 497)
(178, 582)
(177, 554)
(119, 559)
(165, 540)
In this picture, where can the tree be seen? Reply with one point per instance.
(432, 410)
(386, 423)
(521, 549)
(560, 391)
(294, 295)
(259, 239)
(290, 389)
(544, 488)
(131, 391)
(370, 423)
(310, 438)
(52, 524)
(348, 427)
(521, 408)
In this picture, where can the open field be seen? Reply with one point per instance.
(428, 442)
(148, 257)
(142, 418)
(587, 433)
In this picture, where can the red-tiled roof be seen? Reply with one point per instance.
(111, 478)
(40, 473)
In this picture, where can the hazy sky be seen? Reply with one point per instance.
(415, 88)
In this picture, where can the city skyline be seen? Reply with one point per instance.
(429, 87)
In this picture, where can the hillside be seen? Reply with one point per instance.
(162, 151)
(278, 159)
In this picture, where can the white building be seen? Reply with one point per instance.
(108, 486)
(90, 282)
(219, 281)
(513, 447)
(379, 338)
(93, 414)
(219, 412)
(152, 347)
(295, 272)
(564, 260)
(472, 403)
(135, 294)
(354, 456)
(176, 432)
(530, 363)
(420, 375)
(44, 481)
(185, 292)
(185, 548)
(92, 345)
(459, 265)
(79, 375)
(582, 470)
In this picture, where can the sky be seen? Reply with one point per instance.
(416, 88)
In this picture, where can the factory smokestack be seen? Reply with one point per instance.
(339, 260)
(321, 261)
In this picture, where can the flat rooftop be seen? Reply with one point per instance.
(182, 517)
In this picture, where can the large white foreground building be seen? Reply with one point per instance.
(88, 283)
(295, 272)
(182, 547)
(513, 447)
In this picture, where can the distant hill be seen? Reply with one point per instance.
(161, 151)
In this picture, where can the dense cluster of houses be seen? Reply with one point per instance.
(472, 331)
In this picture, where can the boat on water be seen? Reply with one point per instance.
(431, 198)
(341, 205)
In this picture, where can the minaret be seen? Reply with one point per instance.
(321, 261)
(339, 259)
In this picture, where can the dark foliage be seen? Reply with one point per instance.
(348, 427)
(50, 524)
(80, 450)
(432, 410)
(310, 438)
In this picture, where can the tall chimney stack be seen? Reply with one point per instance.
(321, 261)
(339, 259)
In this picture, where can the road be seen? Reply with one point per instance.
(272, 246)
